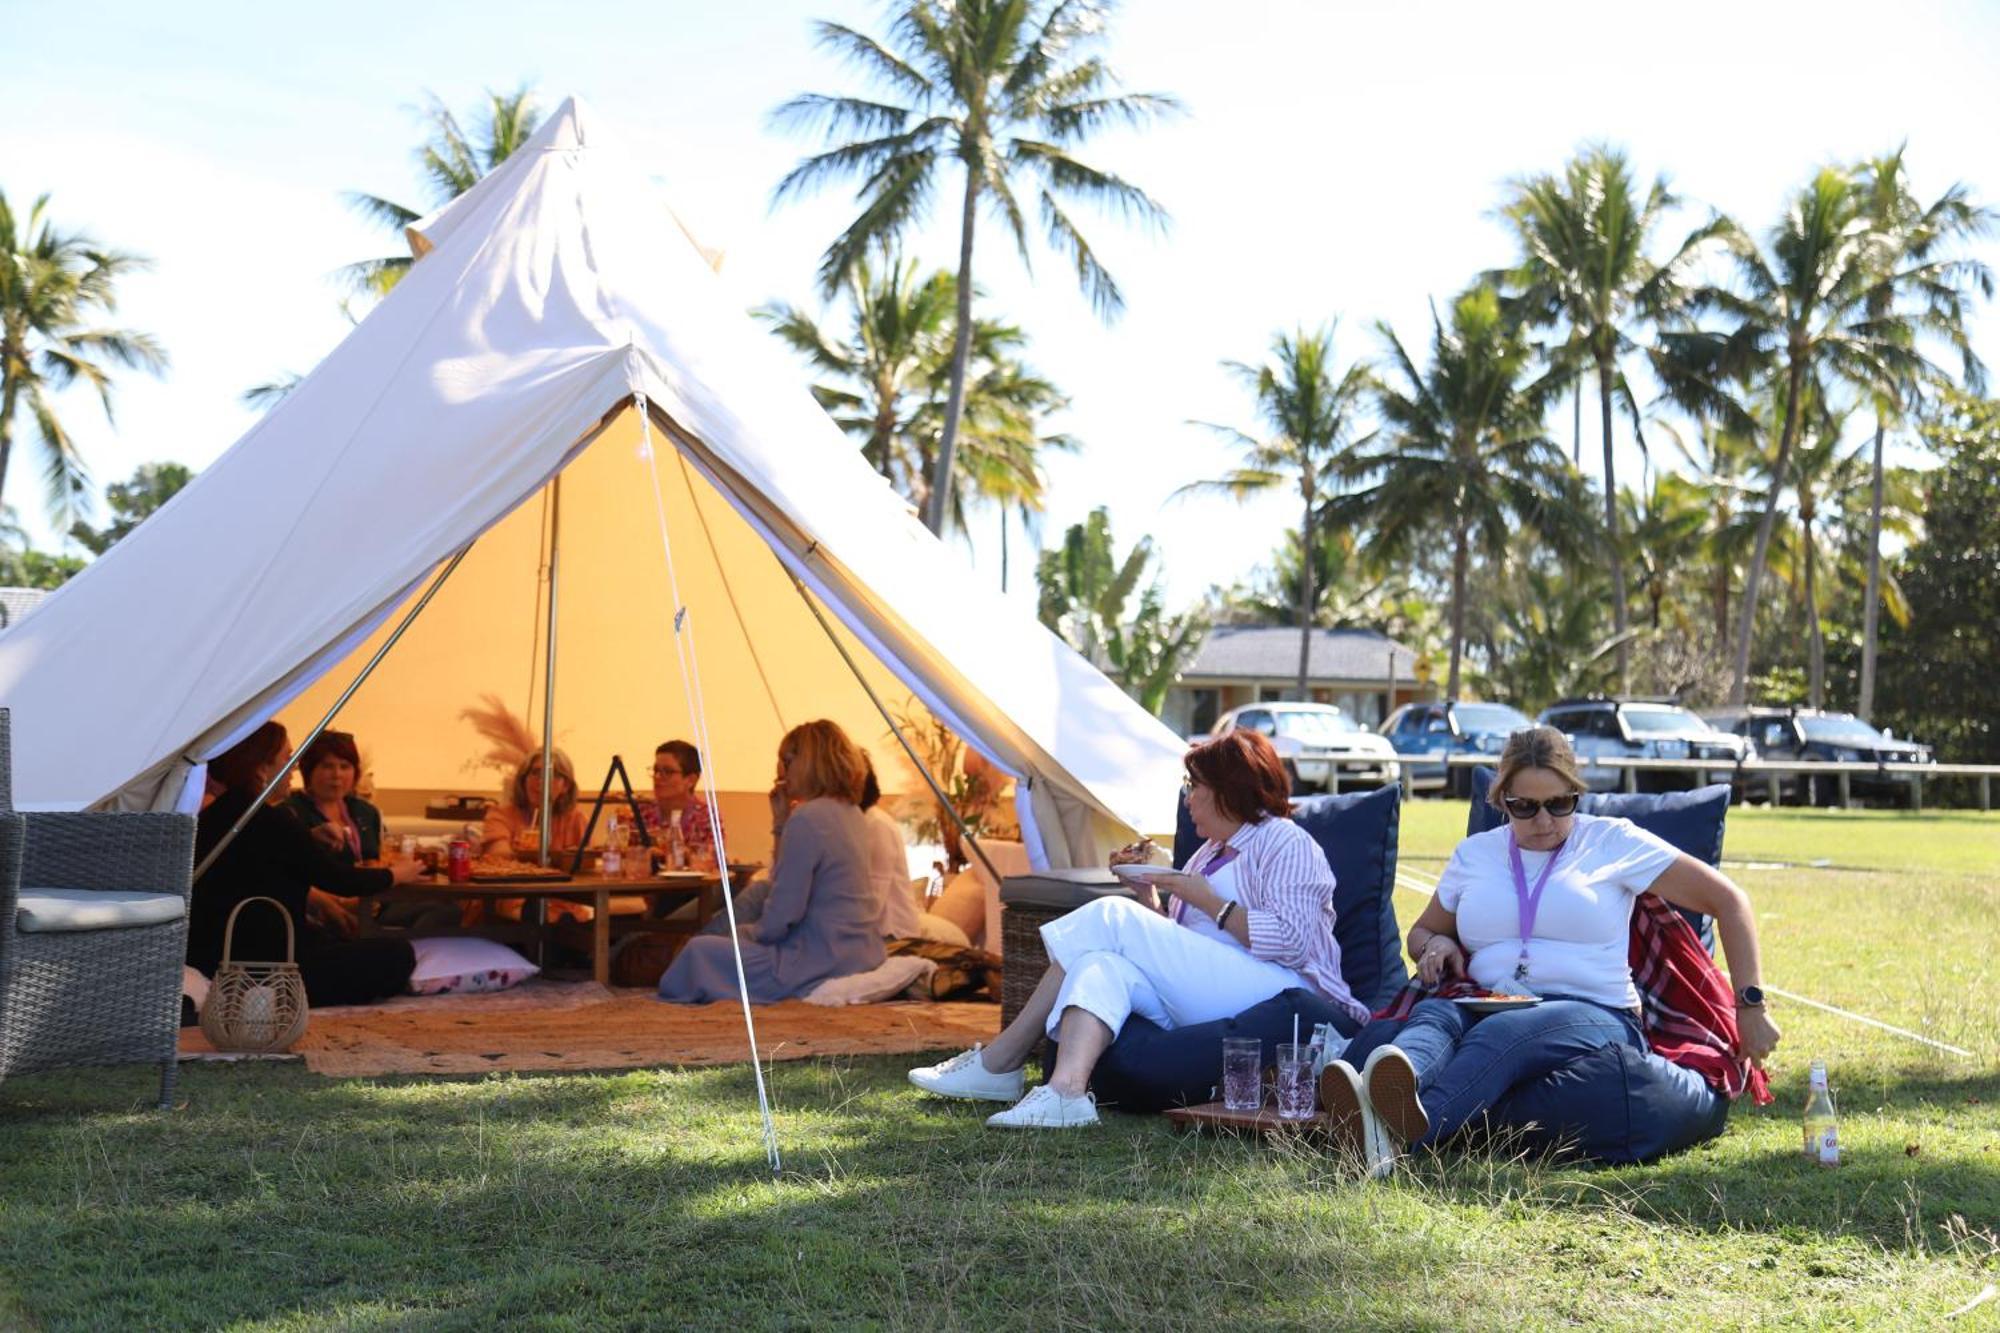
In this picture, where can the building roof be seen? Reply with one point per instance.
(17, 602)
(1271, 652)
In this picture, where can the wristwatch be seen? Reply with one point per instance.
(1750, 997)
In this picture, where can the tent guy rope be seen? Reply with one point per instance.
(684, 650)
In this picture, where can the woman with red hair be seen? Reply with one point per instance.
(1250, 916)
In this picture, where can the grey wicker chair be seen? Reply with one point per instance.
(91, 941)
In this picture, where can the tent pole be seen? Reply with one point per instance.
(944, 802)
(346, 694)
(549, 669)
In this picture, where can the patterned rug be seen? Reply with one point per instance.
(582, 1025)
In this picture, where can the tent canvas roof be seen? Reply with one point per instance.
(550, 298)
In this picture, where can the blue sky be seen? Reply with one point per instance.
(1339, 159)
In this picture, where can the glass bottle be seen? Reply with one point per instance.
(1822, 1130)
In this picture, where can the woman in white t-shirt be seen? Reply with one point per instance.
(1543, 907)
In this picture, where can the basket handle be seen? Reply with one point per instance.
(229, 928)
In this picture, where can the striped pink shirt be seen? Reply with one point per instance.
(1286, 888)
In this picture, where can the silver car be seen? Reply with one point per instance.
(1323, 748)
(1603, 728)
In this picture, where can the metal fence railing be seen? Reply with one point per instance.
(1770, 773)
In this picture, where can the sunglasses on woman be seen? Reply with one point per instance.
(1523, 809)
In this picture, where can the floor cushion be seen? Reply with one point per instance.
(892, 978)
(1150, 1068)
(50, 910)
(465, 965)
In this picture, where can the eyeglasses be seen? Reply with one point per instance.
(659, 772)
(1523, 809)
(1188, 785)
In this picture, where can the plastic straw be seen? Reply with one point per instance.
(1295, 1028)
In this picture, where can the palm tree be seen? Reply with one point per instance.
(55, 287)
(1583, 266)
(1005, 89)
(1802, 324)
(1927, 284)
(1463, 451)
(1666, 526)
(1085, 594)
(1345, 592)
(451, 162)
(1313, 410)
(885, 378)
(1721, 470)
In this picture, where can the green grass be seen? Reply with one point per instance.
(279, 1200)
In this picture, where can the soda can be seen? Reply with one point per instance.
(458, 861)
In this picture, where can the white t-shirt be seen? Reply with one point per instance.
(1223, 881)
(1582, 933)
(889, 872)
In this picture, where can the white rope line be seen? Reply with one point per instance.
(1415, 883)
(1871, 1022)
(684, 650)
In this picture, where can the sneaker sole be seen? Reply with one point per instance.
(1392, 1091)
(1044, 1124)
(1008, 1097)
(1346, 1129)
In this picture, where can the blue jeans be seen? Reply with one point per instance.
(1467, 1062)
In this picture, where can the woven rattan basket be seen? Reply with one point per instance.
(255, 1007)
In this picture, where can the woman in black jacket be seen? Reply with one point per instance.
(275, 857)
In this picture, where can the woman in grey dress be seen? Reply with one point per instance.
(820, 916)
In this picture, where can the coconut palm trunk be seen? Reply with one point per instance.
(1815, 641)
(961, 357)
(1461, 551)
(1739, 685)
(1614, 549)
(1308, 593)
(9, 398)
(1871, 606)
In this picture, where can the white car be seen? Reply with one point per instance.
(1323, 748)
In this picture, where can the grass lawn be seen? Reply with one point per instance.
(277, 1199)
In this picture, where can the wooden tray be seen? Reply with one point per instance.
(523, 877)
(1264, 1120)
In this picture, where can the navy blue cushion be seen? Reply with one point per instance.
(1613, 1105)
(1150, 1068)
(1357, 831)
(1691, 821)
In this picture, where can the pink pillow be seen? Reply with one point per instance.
(464, 965)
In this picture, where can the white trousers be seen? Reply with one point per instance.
(1119, 959)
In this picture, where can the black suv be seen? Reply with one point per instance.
(1601, 727)
(1812, 734)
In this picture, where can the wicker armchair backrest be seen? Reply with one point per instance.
(6, 761)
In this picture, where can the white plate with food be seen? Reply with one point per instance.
(1140, 874)
(1496, 1004)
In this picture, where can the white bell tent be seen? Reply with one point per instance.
(495, 394)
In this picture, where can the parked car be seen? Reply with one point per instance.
(1603, 727)
(1319, 743)
(1810, 734)
(1446, 729)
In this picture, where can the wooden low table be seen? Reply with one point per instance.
(594, 891)
(1263, 1120)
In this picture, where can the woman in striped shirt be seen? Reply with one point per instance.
(1249, 917)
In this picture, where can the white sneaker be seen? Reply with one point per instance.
(965, 1075)
(1356, 1131)
(1045, 1108)
(1391, 1083)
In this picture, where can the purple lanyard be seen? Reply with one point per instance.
(1529, 903)
(1216, 862)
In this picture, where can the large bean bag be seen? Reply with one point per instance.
(1149, 1068)
(1616, 1104)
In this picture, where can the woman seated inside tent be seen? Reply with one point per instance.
(1540, 907)
(350, 828)
(819, 915)
(274, 856)
(677, 811)
(1251, 916)
(513, 826)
